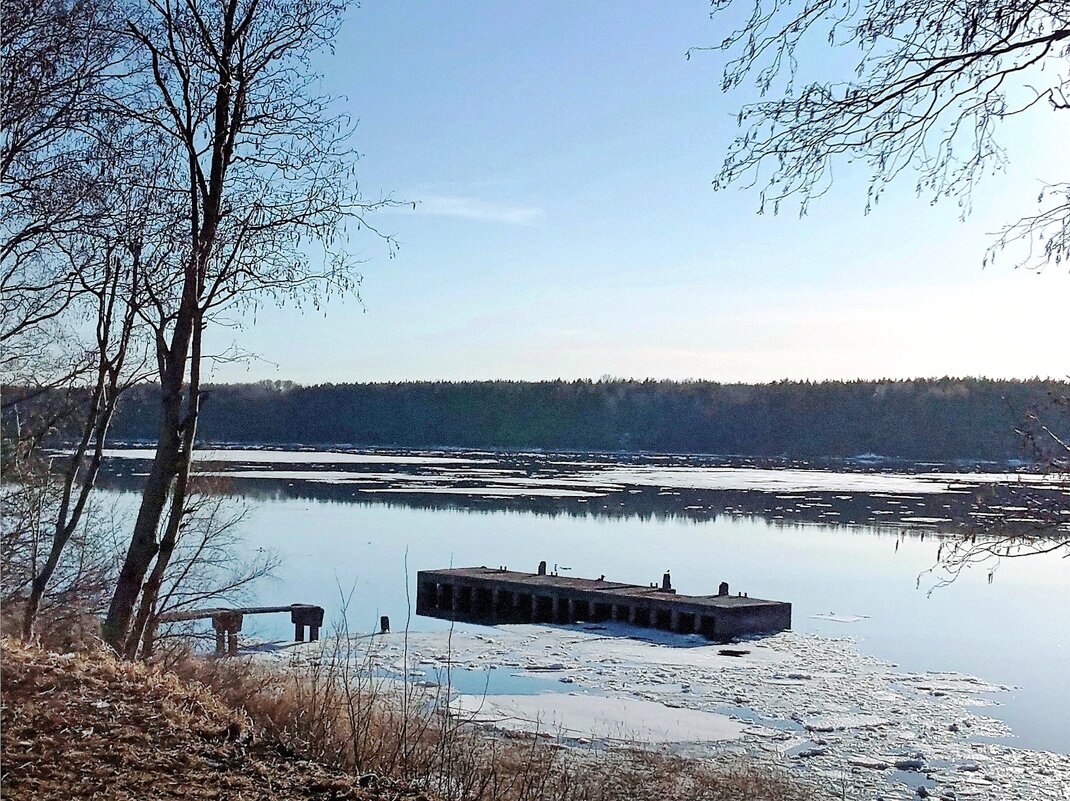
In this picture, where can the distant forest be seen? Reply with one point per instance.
(936, 419)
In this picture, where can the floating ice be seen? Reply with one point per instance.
(268, 456)
(814, 702)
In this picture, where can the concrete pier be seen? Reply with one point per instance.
(498, 595)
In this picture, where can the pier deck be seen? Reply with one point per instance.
(498, 595)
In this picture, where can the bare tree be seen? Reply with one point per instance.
(264, 171)
(71, 258)
(1029, 517)
(112, 288)
(931, 85)
(57, 58)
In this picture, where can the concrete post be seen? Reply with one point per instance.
(302, 615)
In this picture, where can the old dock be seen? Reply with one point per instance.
(499, 595)
(227, 622)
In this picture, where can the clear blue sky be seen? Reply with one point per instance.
(562, 155)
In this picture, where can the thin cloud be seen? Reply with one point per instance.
(473, 209)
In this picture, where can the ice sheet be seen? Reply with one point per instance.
(268, 456)
(816, 704)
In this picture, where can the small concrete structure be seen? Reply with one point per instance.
(498, 595)
(228, 622)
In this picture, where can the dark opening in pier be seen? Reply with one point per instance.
(663, 620)
(483, 606)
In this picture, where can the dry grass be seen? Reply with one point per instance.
(334, 710)
(85, 725)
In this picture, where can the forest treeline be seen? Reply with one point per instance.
(942, 419)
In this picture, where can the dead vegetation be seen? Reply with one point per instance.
(87, 725)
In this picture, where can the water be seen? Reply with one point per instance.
(362, 549)
(501, 681)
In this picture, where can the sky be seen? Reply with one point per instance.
(561, 158)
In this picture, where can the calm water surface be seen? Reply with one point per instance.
(1013, 631)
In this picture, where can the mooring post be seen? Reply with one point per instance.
(226, 625)
(302, 615)
(542, 568)
(220, 634)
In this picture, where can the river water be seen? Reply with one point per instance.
(852, 547)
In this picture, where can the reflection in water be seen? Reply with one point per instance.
(545, 489)
(839, 557)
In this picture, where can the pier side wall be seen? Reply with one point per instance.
(481, 595)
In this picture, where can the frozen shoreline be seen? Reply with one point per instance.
(816, 705)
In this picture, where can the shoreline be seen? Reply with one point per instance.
(814, 706)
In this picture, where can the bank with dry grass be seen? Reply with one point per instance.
(82, 725)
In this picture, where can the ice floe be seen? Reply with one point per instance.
(816, 704)
(270, 456)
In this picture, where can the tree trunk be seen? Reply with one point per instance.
(165, 465)
(144, 622)
(143, 546)
(151, 591)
